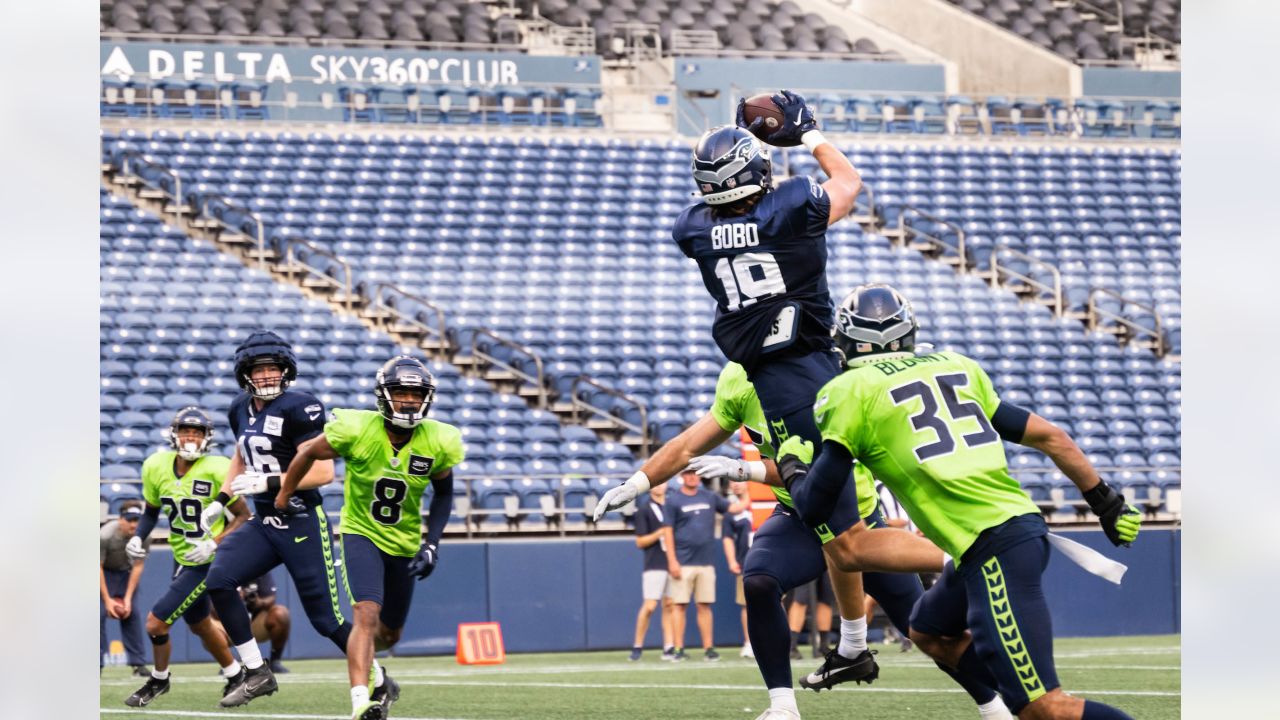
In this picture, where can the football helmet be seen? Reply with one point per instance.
(265, 348)
(191, 416)
(875, 319)
(403, 372)
(730, 164)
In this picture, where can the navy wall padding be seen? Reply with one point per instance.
(569, 595)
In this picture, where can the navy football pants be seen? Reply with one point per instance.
(305, 547)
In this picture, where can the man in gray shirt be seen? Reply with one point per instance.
(118, 579)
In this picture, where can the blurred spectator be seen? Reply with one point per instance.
(269, 620)
(798, 610)
(118, 578)
(736, 535)
(690, 520)
(654, 579)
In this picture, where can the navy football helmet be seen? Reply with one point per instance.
(875, 319)
(265, 348)
(404, 372)
(191, 416)
(730, 164)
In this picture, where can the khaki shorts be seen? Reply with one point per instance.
(653, 584)
(739, 596)
(697, 582)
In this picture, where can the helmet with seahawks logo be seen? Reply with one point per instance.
(875, 320)
(404, 372)
(730, 164)
(191, 416)
(265, 348)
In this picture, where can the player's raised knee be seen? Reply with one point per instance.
(366, 613)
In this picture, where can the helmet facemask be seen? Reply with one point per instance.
(269, 387)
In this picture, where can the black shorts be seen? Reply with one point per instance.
(375, 576)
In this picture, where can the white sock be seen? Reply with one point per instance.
(853, 637)
(783, 699)
(232, 669)
(250, 655)
(378, 676)
(995, 710)
(359, 696)
(160, 674)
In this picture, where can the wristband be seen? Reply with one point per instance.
(812, 140)
(222, 498)
(1100, 495)
(755, 470)
(273, 483)
(640, 482)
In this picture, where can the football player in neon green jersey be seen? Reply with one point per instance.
(392, 456)
(930, 426)
(183, 481)
(785, 553)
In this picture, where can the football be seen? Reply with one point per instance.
(762, 105)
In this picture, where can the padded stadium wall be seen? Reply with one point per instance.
(573, 595)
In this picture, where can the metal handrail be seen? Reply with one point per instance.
(1095, 314)
(292, 246)
(958, 248)
(642, 428)
(127, 155)
(539, 380)
(376, 298)
(205, 201)
(1055, 290)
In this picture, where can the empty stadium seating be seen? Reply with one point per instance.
(172, 311)
(1083, 31)
(564, 245)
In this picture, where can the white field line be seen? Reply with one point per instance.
(313, 680)
(223, 715)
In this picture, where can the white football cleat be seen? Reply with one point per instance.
(746, 651)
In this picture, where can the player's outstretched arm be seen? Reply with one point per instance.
(843, 184)
(135, 548)
(814, 490)
(670, 459)
(239, 516)
(1121, 522)
(303, 472)
(226, 496)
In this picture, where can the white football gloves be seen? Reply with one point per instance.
(249, 484)
(211, 513)
(710, 467)
(202, 551)
(619, 496)
(134, 548)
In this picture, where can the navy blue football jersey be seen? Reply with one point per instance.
(268, 439)
(767, 271)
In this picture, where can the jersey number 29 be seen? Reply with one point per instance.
(928, 415)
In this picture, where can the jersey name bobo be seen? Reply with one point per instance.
(732, 237)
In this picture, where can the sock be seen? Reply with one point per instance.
(1097, 711)
(160, 674)
(250, 655)
(795, 638)
(783, 699)
(276, 654)
(994, 710)
(853, 637)
(767, 630)
(231, 670)
(359, 697)
(637, 648)
(378, 676)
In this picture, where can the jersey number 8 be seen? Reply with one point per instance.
(388, 493)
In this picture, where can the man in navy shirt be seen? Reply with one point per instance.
(736, 536)
(649, 538)
(690, 516)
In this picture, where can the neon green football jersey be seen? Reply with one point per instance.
(922, 425)
(382, 495)
(184, 498)
(736, 405)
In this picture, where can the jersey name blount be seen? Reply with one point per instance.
(890, 367)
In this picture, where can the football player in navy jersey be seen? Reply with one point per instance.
(269, 422)
(762, 251)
